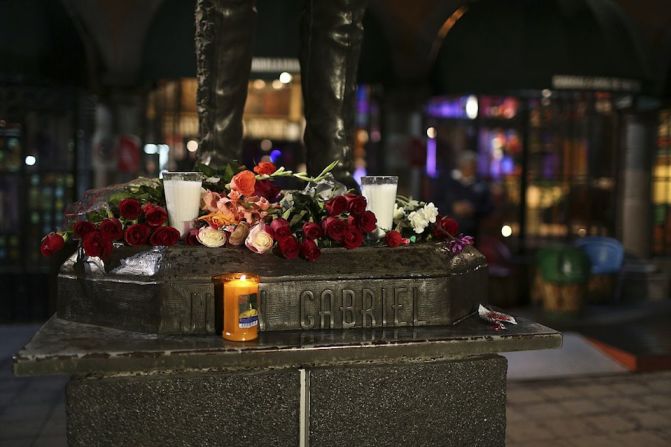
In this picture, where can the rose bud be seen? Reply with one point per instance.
(111, 228)
(309, 250)
(259, 240)
(355, 203)
(312, 231)
(280, 228)
(394, 239)
(334, 228)
(137, 234)
(164, 236)
(154, 215)
(130, 209)
(366, 221)
(191, 238)
(289, 247)
(336, 206)
(352, 237)
(211, 237)
(209, 201)
(239, 235)
(97, 245)
(243, 182)
(82, 228)
(445, 226)
(51, 243)
(265, 168)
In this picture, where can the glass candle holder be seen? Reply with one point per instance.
(240, 306)
(182, 198)
(380, 193)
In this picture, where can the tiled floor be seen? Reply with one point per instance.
(613, 410)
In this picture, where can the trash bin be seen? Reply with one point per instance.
(606, 256)
(561, 279)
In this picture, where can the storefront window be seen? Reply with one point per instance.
(661, 187)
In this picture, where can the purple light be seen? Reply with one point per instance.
(358, 173)
(275, 155)
(431, 169)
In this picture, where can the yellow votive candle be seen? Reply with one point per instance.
(241, 316)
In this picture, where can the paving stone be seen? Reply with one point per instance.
(622, 403)
(628, 389)
(19, 429)
(641, 439)
(569, 427)
(594, 441)
(528, 431)
(546, 443)
(594, 390)
(657, 401)
(21, 412)
(514, 415)
(542, 411)
(652, 419)
(610, 423)
(663, 385)
(18, 442)
(579, 407)
(520, 395)
(559, 392)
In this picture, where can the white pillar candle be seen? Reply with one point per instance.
(182, 198)
(380, 193)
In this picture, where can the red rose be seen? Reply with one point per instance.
(352, 238)
(265, 167)
(130, 209)
(336, 206)
(244, 182)
(164, 236)
(394, 239)
(154, 215)
(96, 244)
(137, 234)
(289, 247)
(82, 228)
(334, 227)
(111, 229)
(366, 221)
(280, 229)
(309, 250)
(355, 203)
(51, 243)
(445, 226)
(267, 189)
(312, 231)
(191, 237)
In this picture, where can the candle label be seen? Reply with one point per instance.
(248, 315)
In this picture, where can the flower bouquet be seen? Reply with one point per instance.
(243, 208)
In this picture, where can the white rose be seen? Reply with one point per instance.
(430, 212)
(418, 221)
(211, 237)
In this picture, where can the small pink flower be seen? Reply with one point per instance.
(210, 200)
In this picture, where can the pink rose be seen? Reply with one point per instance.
(259, 239)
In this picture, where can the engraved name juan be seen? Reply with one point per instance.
(365, 307)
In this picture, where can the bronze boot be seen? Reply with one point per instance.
(224, 35)
(331, 35)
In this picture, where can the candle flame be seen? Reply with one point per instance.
(243, 277)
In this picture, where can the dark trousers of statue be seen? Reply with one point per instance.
(331, 35)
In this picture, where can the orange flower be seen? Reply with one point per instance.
(243, 182)
(265, 167)
(219, 218)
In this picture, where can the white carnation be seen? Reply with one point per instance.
(430, 212)
(418, 221)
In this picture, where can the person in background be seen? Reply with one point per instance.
(463, 196)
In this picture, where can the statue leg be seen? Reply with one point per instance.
(224, 33)
(332, 31)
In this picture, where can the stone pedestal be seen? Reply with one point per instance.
(441, 385)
